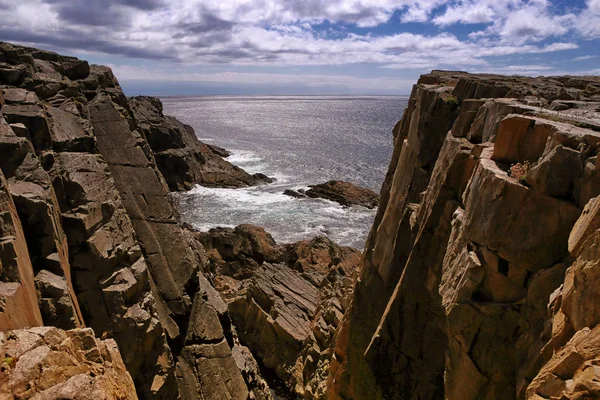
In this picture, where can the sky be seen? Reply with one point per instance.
(171, 47)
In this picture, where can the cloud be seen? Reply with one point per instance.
(280, 33)
(583, 58)
(466, 13)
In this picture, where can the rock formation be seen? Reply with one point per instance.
(478, 277)
(286, 301)
(49, 363)
(345, 193)
(89, 237)
(182, 159)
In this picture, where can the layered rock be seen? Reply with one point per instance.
(286, 301)
(345, 193)
(183, 160)
(470, 243)
(90, 235)
(49, 363)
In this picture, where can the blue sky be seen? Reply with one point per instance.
(308, 47)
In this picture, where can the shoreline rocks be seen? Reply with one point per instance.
(344, 193)
(183, 160)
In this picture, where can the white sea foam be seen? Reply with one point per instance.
(242, 157)
(251, 196)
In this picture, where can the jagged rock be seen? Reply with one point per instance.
(183, 160)
(286, 300)
(294, 193)
(557, 172)
(55, 301)
(239, 251)
(344, 193)
(99, 223)
(464, 263)
(18, 300)
(49, 363)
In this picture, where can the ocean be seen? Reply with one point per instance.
(300, 141)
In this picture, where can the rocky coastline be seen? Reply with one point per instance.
(479, 279)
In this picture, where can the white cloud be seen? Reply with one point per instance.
(583, 58)
(276, 33)
(466, 13)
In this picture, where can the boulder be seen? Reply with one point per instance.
(344, 193)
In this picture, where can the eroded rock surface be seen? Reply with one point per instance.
(476, 272)
(47, 363)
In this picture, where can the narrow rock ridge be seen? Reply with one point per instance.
(345, 193)
(89, 237)
(480, 276)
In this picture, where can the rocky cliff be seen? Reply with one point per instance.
(89, 237)
(479, 280)
(480, 277)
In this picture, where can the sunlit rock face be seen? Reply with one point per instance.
(478, 273)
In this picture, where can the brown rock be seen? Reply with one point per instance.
(49, 363)
(344, 193)
(464, 264)
(18, 300)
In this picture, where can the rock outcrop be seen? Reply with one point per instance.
(286, 301)
(89, 237)
(478, 279)
(183, 160)
(49, 363)
(345, 193)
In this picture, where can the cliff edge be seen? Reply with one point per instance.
(480, 277)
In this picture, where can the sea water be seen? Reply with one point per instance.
(300, 141)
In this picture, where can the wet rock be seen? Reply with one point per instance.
(294, 193)
(344, 193)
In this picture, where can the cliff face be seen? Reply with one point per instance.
(480, 277)
(89, 236)
(480, 272)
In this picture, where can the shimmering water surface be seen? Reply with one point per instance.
(300, 140)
